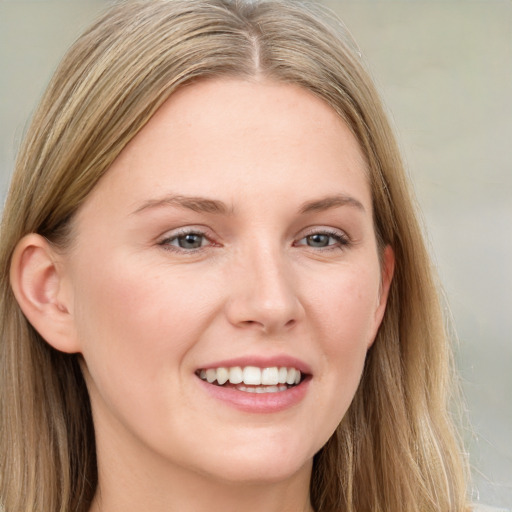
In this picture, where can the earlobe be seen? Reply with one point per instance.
(387, 272)
(36, 280)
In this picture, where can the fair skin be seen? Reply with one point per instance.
(234, 230)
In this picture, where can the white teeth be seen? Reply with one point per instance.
(265, 378)
(290, 378)
(283, 372)
(222, 375)
(270, 376)
(266, 389)
(252, 375)
(211, 375)
(235, 375)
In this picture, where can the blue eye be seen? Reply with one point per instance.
(319, 240)
(190, 241)
(186, 241)
(324, 240)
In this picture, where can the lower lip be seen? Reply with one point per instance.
(260, 403)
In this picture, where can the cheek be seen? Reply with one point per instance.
(137, 302)
(345, 307)
(137, 329)
(135, 324)
(345, 317)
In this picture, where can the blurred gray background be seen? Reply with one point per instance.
(445, 72)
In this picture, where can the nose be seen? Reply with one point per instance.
(263, 293)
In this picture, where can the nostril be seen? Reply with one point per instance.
(266, 327)
(254, 308)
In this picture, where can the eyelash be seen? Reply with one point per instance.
(342, 240)
(166, 242)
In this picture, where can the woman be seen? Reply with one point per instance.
(214, 289)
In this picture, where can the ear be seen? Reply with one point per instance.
(387, 271)
(37, 282)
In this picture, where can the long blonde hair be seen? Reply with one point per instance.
(395, 450)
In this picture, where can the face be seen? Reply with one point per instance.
(232, 239)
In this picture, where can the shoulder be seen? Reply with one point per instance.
(484, 508)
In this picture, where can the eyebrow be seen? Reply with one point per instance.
(205, 205)
(196, 204)
(326, 203)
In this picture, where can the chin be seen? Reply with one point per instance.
(271, 463)
(272, 470)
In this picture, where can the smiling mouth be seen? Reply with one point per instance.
(252, 379)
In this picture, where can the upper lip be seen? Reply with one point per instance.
(261, 362)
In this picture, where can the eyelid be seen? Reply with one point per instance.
(171, 235)
(342, 237)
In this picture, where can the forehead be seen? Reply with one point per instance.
(235, 138)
